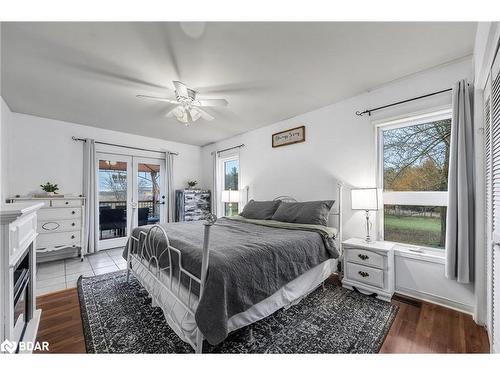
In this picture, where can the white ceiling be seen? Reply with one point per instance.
(89, 73)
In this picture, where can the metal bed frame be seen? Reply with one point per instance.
(145, 264)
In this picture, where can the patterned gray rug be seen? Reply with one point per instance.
(118, 318)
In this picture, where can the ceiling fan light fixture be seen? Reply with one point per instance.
(190, 108)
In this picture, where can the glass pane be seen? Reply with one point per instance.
(148, 185)
(231, 170)
(416, 225)
(112, 199)
(416, 157)
(230, 209)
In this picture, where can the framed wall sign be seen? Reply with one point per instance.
(290, 136)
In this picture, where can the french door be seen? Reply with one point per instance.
(131, 192)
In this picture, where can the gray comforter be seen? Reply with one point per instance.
(248, 262)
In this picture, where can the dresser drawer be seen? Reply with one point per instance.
(54, 226)
(59, 213)
(365, 257)
(66, 203)
(62, 239)
(366, 275)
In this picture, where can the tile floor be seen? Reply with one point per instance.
(62, 274)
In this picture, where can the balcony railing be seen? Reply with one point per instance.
(113, 216)
(151, 204)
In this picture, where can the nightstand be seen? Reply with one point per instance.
(369, 267)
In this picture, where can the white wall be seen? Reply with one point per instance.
(339, 144)
(5, 117)
(42, 150)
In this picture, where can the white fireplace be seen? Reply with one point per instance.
(19, 316)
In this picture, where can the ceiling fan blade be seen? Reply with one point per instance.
(173, 101)
(212, 102)
(189, 117)
(205, 115)
(181, 89)
(171, 113)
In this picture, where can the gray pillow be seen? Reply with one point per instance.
(315, 212)
(260, 210)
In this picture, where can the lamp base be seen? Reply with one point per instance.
(368, 238)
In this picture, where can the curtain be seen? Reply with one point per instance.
(170, 187)
(90, 241)
(460, 216)
(215, 160)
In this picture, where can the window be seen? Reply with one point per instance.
(414, 168)
(230, 169)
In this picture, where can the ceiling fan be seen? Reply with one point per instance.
(188, 108)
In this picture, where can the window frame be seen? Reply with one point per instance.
(410, 198)
(221, 180)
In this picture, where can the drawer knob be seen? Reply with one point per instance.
(73, 236)
(73, 212)
(66, 203)
(72, 224)
(363, 273)
(363, 256)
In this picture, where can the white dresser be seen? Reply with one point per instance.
(369, 267)
(60, 227)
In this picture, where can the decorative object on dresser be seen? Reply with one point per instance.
(20, 319)
(60, 227)
(369, 267)
(50, 189)
(192, 185)
(365, 199)
(192, 205)
(289, 137)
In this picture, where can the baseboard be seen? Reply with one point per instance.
(438, 300)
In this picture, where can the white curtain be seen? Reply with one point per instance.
(460, 216)
(215, 161)
(90, 243)
(169, 158)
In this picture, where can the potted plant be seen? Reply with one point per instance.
(50, 189)
(192, 184)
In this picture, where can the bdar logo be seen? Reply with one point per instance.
(8, 346)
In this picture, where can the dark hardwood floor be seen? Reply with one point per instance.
(421, 328)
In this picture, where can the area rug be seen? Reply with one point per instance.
(118, 318)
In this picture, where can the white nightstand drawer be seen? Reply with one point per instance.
(365, 257)
(366, 275)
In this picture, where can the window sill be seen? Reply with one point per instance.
(420, 253)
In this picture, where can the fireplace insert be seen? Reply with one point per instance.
(22, 297)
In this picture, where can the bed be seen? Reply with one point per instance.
(213, 277)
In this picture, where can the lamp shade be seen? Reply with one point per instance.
(364, 199)
(230, 196)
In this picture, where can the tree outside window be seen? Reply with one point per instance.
(231, 172)
(416, 159)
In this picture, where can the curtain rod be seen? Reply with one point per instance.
(369, 111)
(227, 149)
(114, 144)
